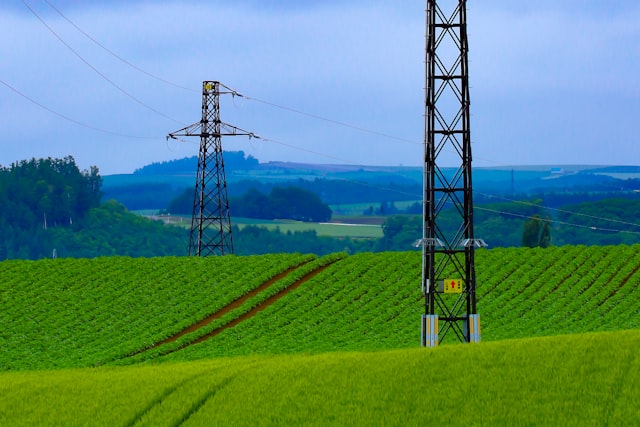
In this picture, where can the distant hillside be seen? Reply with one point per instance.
(244, 171)
(233, 160)
(502, 195)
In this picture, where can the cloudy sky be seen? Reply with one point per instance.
(552, 82)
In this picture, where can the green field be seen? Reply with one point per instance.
(581, 379)
(307, 340)
(341, 227)
(331, 229)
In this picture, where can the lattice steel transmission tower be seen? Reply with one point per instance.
(211, 218)
(448, 241)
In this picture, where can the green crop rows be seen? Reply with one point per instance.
(365, 301)
(565, 290)
(254, 302)
(75, 312)
(373, 301)
(308, 334)
(65, 313)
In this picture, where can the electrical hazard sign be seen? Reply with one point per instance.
(452, 286)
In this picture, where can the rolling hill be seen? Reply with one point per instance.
(580, 379)
(330, 340)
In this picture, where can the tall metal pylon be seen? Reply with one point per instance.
(448, 241)
(211, 218)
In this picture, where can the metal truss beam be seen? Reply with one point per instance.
(448, 241)
(211, 218)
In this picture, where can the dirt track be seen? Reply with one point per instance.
(237, 303)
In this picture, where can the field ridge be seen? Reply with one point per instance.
(240, 312)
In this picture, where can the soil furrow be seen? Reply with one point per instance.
(226, 309)
(267, 303)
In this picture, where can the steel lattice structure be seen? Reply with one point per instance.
(211, 218)
(448, 242)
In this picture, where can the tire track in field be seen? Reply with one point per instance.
(177, 418)
(203, 400)
(224, 310)
(159, 399)
(263, 305)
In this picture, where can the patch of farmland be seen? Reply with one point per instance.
(578, 379)
(373, 302)
(74, 313)
(87, 312)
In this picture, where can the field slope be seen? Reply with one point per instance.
(80, 313)
(580, 379)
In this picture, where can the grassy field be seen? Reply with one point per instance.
(329, 341)
(331, 229)
(77, 313)
(342, 227)
(580, 379)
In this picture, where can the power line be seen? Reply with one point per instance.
(325, 119)
(561, 222)
(235, 93)
(115, 55)
(317, 153)
(521, 202)
(272, 104)
(88, 64)
(70, 119)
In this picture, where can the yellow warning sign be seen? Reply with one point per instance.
(452, 286)
(208, 86)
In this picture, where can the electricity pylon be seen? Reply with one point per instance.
(211, 218)
(448, 243)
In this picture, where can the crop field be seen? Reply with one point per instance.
(580, 379)
(353, 227)
(331, 229)
(78, 312)
(218, 327)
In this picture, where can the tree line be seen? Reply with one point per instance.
(52, 208)
(288, 202)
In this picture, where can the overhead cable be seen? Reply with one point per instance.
(88, 64)
(272, 104)
(521, 202)
(115, 55)
(70, 119)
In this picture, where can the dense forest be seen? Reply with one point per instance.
(50, 192)
(50, 208)
(233, 160)
(288, 202)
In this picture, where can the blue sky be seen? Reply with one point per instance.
(552, 82)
